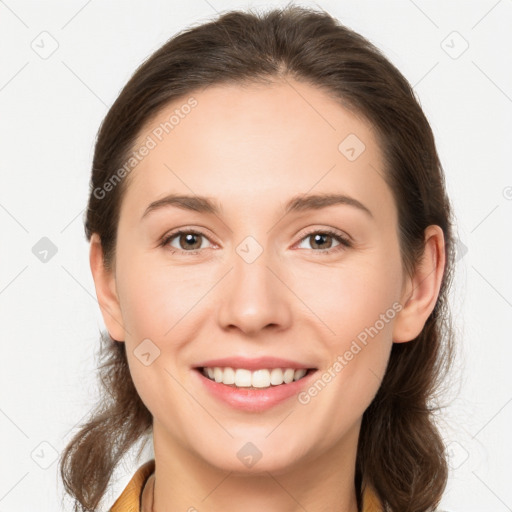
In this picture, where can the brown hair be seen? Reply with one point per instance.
(400, 451)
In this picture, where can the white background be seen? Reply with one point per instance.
(51, 109)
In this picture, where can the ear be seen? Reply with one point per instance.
(105, 284)
(422, 290)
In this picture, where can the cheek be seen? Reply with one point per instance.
(359, 305)
(155, 299)
(353, 300)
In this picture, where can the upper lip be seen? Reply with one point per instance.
(253, 363)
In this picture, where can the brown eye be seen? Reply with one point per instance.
(184, 241)
(189, 241)
(322, 241)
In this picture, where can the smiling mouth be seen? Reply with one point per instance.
(257, 379)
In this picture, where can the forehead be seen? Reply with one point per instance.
(255, 143)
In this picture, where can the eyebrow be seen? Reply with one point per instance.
(298, 203)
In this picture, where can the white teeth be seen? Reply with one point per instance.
(242, 378)
(299, 374)
(288, 375)
(217, 374)
(263, 378)
(229, 376)
(276, 376)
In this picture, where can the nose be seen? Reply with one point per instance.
(254, 297)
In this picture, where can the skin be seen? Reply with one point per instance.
(251, 149)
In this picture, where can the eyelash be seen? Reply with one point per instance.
(344, 242)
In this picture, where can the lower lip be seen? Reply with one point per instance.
(254, 400)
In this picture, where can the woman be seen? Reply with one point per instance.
(271, 246)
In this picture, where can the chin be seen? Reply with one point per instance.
(252, 455)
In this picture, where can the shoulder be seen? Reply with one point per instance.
(129, 500)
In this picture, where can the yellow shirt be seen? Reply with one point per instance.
(129, 501)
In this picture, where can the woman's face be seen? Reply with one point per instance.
(263, 281)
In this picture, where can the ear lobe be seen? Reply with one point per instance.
(422, 289)
(104, 282)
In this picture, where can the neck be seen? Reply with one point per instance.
(183, 481)
(148, 495)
